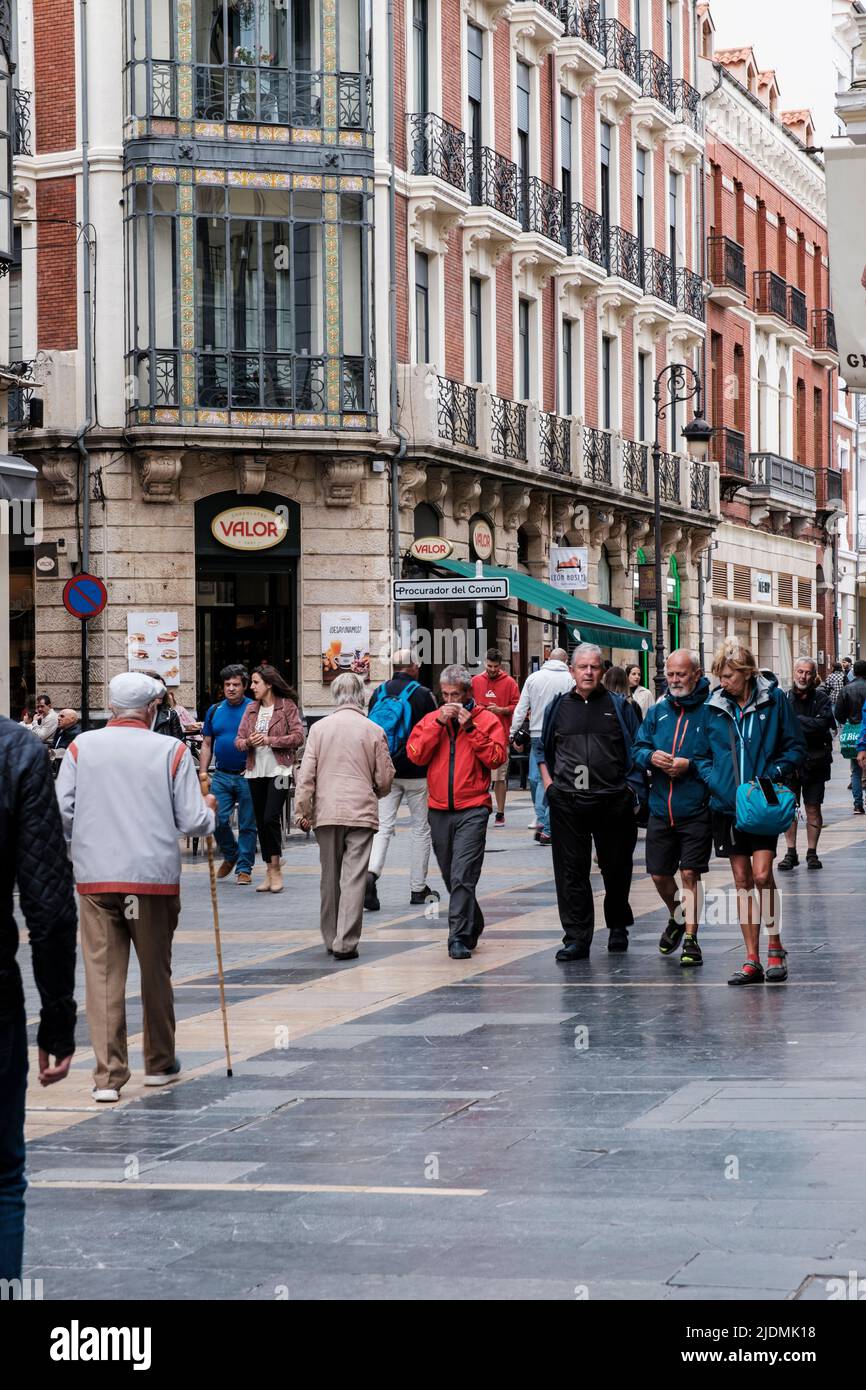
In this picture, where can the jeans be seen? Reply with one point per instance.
(415, 791)
(230, 789)
(612, 825)
(13, 1085)
(536, 786)
(856, 783)
(459, 839)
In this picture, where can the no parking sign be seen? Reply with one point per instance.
(84, 596)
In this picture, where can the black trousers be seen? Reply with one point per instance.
(459, 839)
(573, 829)
(268, 802)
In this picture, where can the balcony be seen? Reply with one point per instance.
(831, 499)
(726, 267)
(687, 105)
(635, 468)
(581, 47)
(699, 486)
(554, 438)
(456, 412)
(618, 84)
(267, 96)
(623, 256)
(659, 279)
(670, 489)
(494, 182)
(597, 456)
(797, 315)
(824, 338)
(729, 448)
(690, 294)
(437, 149)
(780, 488)
(21, 130)
(508, 428)
(653, 112)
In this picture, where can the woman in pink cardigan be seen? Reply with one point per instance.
(270, 732)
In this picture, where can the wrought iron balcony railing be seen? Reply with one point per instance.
(621, 50)
(699, 479)
(552, 6)
(656, 79)
(437, 148)
(494, 181)
(267, 96)
(508, 428)
(659, 278)
(583, 21)
(635, 467)
(258, 381)
(623, 256)
(726, 262)
(669, 477)
(583, 233)
(21, 136)
(690, 293)
(456, 412)
(554, 437)
(770, 293)
(824, 334)
(596, 456)
(783, 476)
(797, 308)
(540, 208)
(687, 104)
(729, 448)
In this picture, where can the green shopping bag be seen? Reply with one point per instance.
(848, 740)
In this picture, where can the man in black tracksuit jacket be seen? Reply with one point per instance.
(811, 705)
(848, 709)
(594, 790)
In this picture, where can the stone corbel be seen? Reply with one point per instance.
(536, 517)
(601, 525)
(563, 516)
(465, 492)
(490, 496)
(699, 544)
(799, 525)
(341, 482)
(251, 473)
(496, 245)
(758, 514)
(639, 529)
(671, 537)
(160, 477)
(23, 206)
(412, 485)
(779, 520)
(515, 501)
(437, 486)
(60, 471)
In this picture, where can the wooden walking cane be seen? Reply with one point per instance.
(205, 785)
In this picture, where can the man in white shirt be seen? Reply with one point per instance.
(540, 688)
(44, 725)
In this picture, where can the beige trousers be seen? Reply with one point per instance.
(109, 922)
(344, 853)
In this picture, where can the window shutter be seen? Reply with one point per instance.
(742, 584)
(804, 593)
(720, 579)
(786, 591)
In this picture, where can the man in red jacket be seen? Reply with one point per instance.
(459, 744)
(496, 691)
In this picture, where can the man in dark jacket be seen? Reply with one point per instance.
(33, 856)
(402, 703)
(810, 703)
(459, 744)
(848, 709)
(68, 728)
(594, 790)
(679, 835)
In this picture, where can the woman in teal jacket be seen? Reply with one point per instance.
(748, 731)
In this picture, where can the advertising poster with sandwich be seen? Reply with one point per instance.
(569, 567)
(345, 645)
(153, 644)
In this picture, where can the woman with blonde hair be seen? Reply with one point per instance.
(749, 734)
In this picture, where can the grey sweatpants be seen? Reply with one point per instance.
(458, 842)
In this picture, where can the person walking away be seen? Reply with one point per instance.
(595, 791)
(679, 837)
(494, 690)
(125, 796)
(554, 678)
(749, 732)
(835, 681)
(615, 680)
(848, 709)
(33, 858)
(68, 728)
(167, 720)
(270, 733)
(642, 697)
(460, 744)
(397, 706)
(810, 703)
(44, 723)
(228, 783)
(345, 770)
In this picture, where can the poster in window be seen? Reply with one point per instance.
(569, 567)
(345, 645)
(153, 644)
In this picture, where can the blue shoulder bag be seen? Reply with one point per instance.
(756, 813)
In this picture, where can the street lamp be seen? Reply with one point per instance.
(683, 384)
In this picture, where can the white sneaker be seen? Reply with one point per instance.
(163, 1078)
(105, 1093)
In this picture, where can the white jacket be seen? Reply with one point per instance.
(126, 794)
(540, 688)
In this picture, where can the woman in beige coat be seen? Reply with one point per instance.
(345, 770)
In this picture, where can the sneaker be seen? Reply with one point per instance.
(500, 818)
(543, 839)
(790, 861)
(812, 860)
(691, 952)
(533, 825)
(750, 973)
(617, 939)
(777, 969)
(225, 868)
(423, 895)
(371, 897)
(671, 937)
(243, 877)
(106, 1093)
(858, 811)
(162, 1078)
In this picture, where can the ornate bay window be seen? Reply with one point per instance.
(203, 66)
(249, 299)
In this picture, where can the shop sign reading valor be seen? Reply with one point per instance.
(250, 528)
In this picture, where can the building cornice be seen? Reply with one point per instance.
(736, 122)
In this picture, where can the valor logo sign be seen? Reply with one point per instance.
(249, 528)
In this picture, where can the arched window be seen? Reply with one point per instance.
(426, 521)
(762, 404)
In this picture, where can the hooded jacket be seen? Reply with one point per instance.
(767, 742)
(673, 725)
(458, 758)
(539, 689)
(501, 690)
(814, 713)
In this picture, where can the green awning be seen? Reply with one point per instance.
(586, 622)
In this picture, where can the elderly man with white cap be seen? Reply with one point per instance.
(126, 795)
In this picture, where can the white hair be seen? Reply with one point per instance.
(455, 675)
(692, 656)
(585, 649)
(348, 689)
